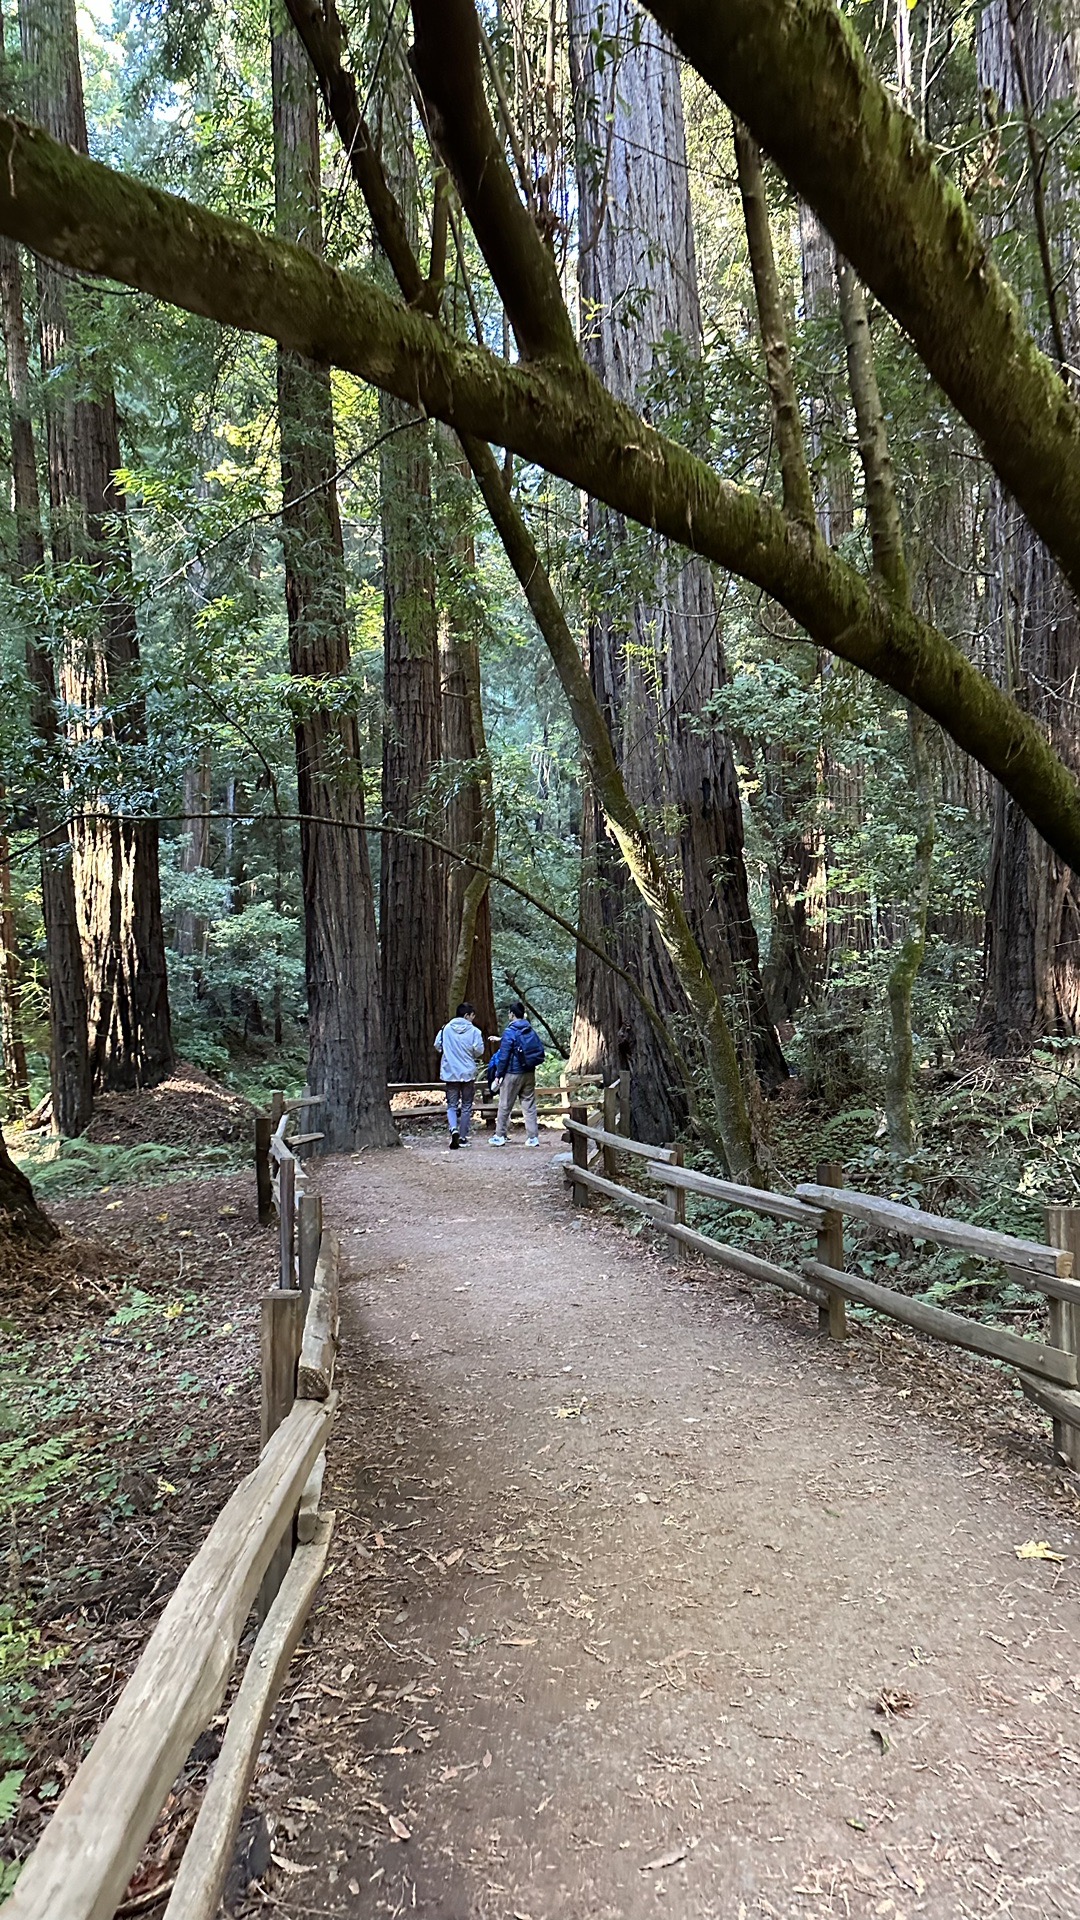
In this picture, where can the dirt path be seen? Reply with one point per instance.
(625, 1559)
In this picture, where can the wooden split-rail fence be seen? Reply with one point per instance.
(266, 1549)
(552, 1102)
(1047, 1369)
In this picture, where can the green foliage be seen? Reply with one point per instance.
(68, 1167)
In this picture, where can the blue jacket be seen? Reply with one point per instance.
(499, 1064)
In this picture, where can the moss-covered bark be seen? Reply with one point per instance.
(99, 221)
(795, 72)
(784, 401)
(890, 565)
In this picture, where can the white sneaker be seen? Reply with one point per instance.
(498, 1139)
(533, 1143)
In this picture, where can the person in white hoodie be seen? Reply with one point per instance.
(461, 1046)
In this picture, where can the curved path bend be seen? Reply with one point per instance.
(628, 1563)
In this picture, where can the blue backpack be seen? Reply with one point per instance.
(526, 1052)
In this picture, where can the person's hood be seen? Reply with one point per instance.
(460, 1024)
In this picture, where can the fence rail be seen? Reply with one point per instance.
(268, 1546)
(1047, 1369)
(611, 1103)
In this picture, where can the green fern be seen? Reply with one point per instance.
(10, 1791)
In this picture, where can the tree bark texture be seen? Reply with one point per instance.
(1031, 985)
(69, 1053)
(788, 797)
(12, 1041)
(470, 814)
(115, 863)
(847, 927)
(99, 221)
(656, 662)
(346, 1051)
(21, 1219)
(890, 566)
(413, 926)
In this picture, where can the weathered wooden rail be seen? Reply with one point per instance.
(552, 1102)
(267, 1549)
(1047, 1369)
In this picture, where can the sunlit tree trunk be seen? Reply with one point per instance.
(658, 657)
(1032, 952)
(117, 887)
(346, 1052)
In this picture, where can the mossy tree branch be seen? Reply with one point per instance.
(796, 73)
(89, 217)
(447, 63)
(798, 493)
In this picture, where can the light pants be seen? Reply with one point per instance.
(459, 1099)
(514, 1084)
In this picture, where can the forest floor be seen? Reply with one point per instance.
(128, 1412)
(644, 1597)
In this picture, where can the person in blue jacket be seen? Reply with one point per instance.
(512, 1074)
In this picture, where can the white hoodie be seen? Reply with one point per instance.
(462, 1048)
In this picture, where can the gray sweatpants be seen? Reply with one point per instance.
(459, 1099)
(513, 1085)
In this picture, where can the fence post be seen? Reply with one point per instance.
(309, 1239)
(281, 1333)
(579, 1150)
(832, 1319)
(1063, 1230)
(287, 1220)
(676, 1200)
(624, 1102)
(611, 1163)
(277, 1106)
(264, 1184)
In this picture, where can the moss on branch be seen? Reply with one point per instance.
(795, 72)
(99, 221)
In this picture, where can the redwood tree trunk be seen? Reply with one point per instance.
(21, 1219)
(656, 662)
(412, 889)
(1031, 985)
(12, 1043)
(69, 1055)
(117, 888)
(346, 1053)
(470, 811)
(413, 928)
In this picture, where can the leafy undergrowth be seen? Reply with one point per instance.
(188, 1125)
(128, 1390)
(999, 1143)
